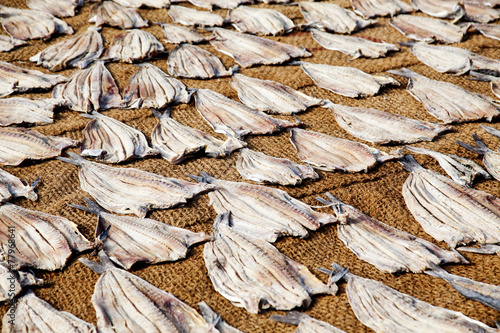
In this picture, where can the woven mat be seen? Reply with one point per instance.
(377, 193)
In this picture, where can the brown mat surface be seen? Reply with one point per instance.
(377, 193)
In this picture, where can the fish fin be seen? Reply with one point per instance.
(209, 315)
(291, 317)
(481, 148)
(36, 182)
(409, 163)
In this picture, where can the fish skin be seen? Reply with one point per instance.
(223, 4)
(58, 8)
(188, 16)
(450, 9)
(142, 191)
(213, 318)
(481, 13)
(112, 14)
(177, 34)
(20, 110)
(144, 3)
(488, 30)
(133, 45)
(305, 323)
(426, 29)
(13, 187)
(9, 43)
(13, 282)
(260, 21)
(491, 158)
(372, 8)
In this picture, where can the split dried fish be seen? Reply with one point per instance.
(33, 314)
(121, 298)
(79, 51)
(213, 318)
(270, 96)
(43, 241)
(134, 45)
(346, 81)
(129, 190)
(488, 30)
(144, 3)
(384, 309)
(329, 153)
(225, 4)
(426, 29)
(111, 13)
(13, 187)
(482, 249)
(150, 87)
(90, 89)
(233, 118)
(450, 9)
(176, 142)
(305, 323)
(20, 110)
(449, 211)
(249, 50)
(261, 211)
(9, 43)
(481, 13)
(253, 274)
(177, 34)
(491, 158)
(448, 102)
(372, 8)
(13, 282)
(382, 127)
(332, 17)
(356, 47)
(389, 249)
(262, 168)
(260, 21)
(189, 16)
(191, 61)
(27, 24)
(59, 8)
(18, 144)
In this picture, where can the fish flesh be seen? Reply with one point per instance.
(332, 17)
(328, 153)
(13, 282)
(18, 144)
(224, 4)
(260, 21)
(43, 241)
(491, 3)
(176, 142)
(144, 3)
(20, 110)
(305, 323)
(232, 118)
(150, 87)
(389, 249)
(448, 102)
(450, 9)
(111, 141)
(262, 168)
(213, 318)
(355, 47)
(253, 274)
(177, 34)
(491, 158)
(59, 8)
(78, 51)
(126, 303)
(346, 81)
(33, 314)
(13, 187)
(372, 8)
(261, 211)
(382, 127)
(384, 309)
(127, 240)
(111, 13)
(488, 30)
(27, 24)
(193, 62)
(134, 45)
(449, 211)
(426, 29)
(481, 13)
(249, 50)
(270, 96)
(189, 16)
(9, 43)
(90, 89)
(129, 190)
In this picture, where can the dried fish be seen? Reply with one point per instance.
(491, 158)
(261, 211)
(13, 282)
(177, 34)
(479, 12)
(191, 61)
(450, 9)
(111, 13)
(33, 314)
(213, 318)
(233, 118)
(12, 187)
(79, 51)
(59, 8)
(189, 16)
(305, 323)
(8, 43)
(382, 127)
(18, 144)
(144, 3)
(260, 21)
(253, 274)
(389, 249)
(27, 24)
(384, 309)
(332, 17)
(448, 102)
(482, 249)
(43, 241)
(270, 96)
(329, 153)
(126, 303)
(346, 81)
(262, 168)
(128, 190)
(449, 211)
(372, 8)
(426, 29)
(488, 30)
(356, 47)
(19, 110)
(90, 89)
(150, 87)
(249, 50)
(225, 4)
(134, 45)
(176, 142)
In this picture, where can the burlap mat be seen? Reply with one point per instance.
(377, 193)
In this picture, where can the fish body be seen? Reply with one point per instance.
(20, 110)
(133, 45)
(12, 187)
(426, 29)
(12, 282)
(450, 9)
(372, 8)
(59, 8)
(305, 323)
(225, 4)
(177, 34)
(260, 21)
(488, 30)
(491, 158)
(9, 43)
(111, 13)
(188, 16)
(144, 3)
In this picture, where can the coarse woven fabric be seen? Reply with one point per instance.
(376, 193)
